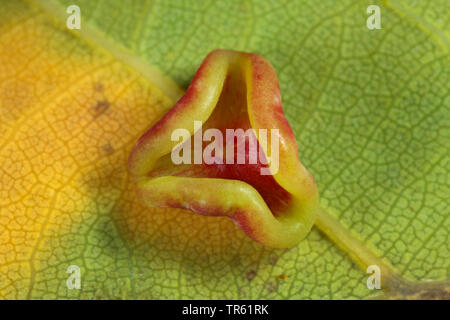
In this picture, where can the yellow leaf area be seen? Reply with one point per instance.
(70, 112)
(69, 118)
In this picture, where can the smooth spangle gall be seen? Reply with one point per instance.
(231, 90)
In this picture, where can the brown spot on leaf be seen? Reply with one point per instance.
(250, 275)
(108, 149)
(100, 108)
(282, 276)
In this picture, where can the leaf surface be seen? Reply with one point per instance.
(370, 110)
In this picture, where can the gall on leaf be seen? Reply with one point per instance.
(239, 91)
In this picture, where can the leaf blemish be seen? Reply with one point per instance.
(282, 277)
(98, 86)
(100, 108)
(108, 149)
(250, 275)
